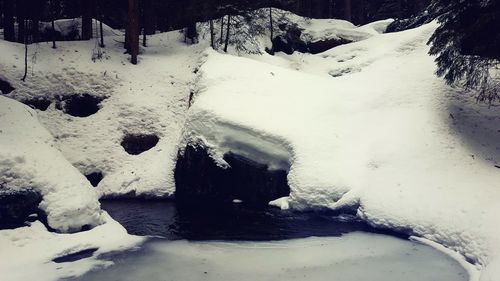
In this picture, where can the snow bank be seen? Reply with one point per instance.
(28, 159)
(380, 138)
(27, 252)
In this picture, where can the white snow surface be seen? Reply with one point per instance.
(150, 98)
(366, 124)
(28, 159)
(27, 252)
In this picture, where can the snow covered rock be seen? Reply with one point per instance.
(380, 137)
(29, 161)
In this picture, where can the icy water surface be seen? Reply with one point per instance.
(237, 243)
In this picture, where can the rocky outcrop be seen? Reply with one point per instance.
(17, 206)
(199, 178)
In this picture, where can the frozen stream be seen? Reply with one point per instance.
(286, 255)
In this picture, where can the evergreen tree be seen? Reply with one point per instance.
(467, 45)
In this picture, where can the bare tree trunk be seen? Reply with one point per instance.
(221, 30)
(227, 32)
(9, 33)
(149, 17)
(271, 23)
(133, 11)
(102, 34)
(25, 52)
(53, 34)
(21, 25)
(212, 39)
(348, 10)
(35, 6)
(87, 8)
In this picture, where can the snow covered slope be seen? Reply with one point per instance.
(28, 159)
(150, 98)
(385, 138)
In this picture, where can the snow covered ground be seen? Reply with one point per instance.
(365, 124)
(383, 134)
(27, 252)
(148, 99)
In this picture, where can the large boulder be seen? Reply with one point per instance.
(199, 178)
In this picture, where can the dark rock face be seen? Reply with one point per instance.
(137, 144)
(291, 42)
(324, 45)
(38, 103)
(198, 178)
(17, 206)
(80, 105)
(5, 87)
(94, 178)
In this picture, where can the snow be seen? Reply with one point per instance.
(378, 135)
(334, 258)
(150, 98)
(365, 125)
(28, 159)
(27, 252)
(314, 30)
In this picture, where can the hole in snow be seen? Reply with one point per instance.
(5, 87)
(38, 103)
(80, 105)
(137, 144)
(94, 178)
(75, 256)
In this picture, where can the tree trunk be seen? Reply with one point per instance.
(149, 17)
(53, 31)
(21, 25)
(87, 13)
(35, 6)
(271, 23)
(25, 52)
(9, 33)
(102, 34)
(347, 10)
(221, 30)
(212, 39)
(227, 32)
(133, 34)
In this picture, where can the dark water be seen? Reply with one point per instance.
(229, 222)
